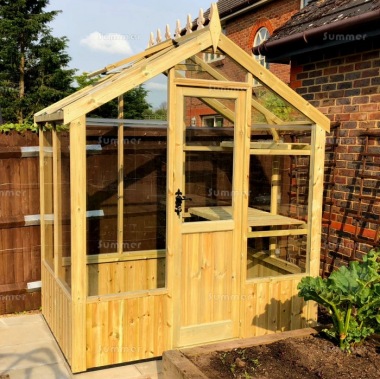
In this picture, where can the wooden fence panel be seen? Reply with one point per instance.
(20, 261)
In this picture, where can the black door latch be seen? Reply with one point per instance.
(178, 201)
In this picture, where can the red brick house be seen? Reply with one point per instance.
(248, 23)
(333, 47)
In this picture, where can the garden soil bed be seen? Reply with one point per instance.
(300, 357)
(307, 357)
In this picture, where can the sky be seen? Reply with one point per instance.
(102, 32)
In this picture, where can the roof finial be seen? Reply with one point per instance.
(201, 20)
(167, 33)
(159, 36)
(189, 24)
(178, 29)
(151, 40)
(214, 25)
(211, 14)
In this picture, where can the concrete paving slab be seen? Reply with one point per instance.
(150, 367)
(28, 350)
(29, 355)
(53, 371)
(23, 331)
(22, 319)
(121, 372)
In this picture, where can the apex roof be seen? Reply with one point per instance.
(165, 55)
(230, 6)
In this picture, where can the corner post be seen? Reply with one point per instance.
(317, 159)
(78, 242)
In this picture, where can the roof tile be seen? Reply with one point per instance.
(323, 12)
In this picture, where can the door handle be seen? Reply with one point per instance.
(178, 201)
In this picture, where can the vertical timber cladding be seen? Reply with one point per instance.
(273, 305)
(56, 305)
(127, 329)
(209, 283)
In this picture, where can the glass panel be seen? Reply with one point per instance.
(208, 178)
(144, 189)
(208, 158)
(276, 105)
(140, 261)
(102, 195)
(48, 196)
(200, 67)
(278, 204)
(64, 193)
(206, 63)
(209, 121)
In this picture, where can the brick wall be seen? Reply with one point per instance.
(344, 83)
(242, 30)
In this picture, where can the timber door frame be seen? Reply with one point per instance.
(178, 89)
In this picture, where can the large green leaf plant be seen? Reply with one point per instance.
(352, 296)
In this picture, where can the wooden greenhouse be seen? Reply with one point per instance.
(157, 237)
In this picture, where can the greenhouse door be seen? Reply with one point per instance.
(208, 159)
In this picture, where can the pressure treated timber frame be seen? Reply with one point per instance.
(97, 329)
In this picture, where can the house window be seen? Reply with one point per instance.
(261, 36)
(212, 121)
(304, 3)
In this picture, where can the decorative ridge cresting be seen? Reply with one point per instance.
(179, 32)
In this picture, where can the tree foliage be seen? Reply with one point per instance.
(33, 63)
(135, 101)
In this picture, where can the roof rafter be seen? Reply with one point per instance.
(135, 76)
(133, 59)
(93, 88)
(100, 93)
(144, 54)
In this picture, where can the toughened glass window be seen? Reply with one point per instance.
(102, 186)
(278, 194)
(207, 164)
(126, 207)
(64, 201)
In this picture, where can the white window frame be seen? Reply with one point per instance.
(215, 119)
(304, 3)
(261, 36)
